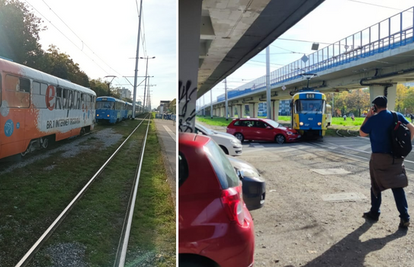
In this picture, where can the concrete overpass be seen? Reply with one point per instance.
(218, 36)
(377, 57)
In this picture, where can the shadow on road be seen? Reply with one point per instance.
(351, 251)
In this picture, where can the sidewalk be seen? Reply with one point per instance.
(166, 131)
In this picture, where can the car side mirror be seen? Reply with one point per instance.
(240, 174)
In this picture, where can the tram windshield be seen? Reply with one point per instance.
(310, 106)
(105, 105)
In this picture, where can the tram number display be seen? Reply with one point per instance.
(310, 95)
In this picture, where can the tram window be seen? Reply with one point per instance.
(36, 88)
(37, 98)
(24, 85)
(43, 89)
(17, 91)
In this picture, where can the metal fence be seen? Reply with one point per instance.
(391, 33)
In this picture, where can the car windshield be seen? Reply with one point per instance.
(222, 166)
(104, 105)
(272, 123)
(205, 130)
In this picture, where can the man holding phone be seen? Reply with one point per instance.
(385, 171)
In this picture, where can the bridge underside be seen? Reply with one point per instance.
(217, 36)
(380, 72)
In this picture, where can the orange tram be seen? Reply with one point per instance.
(37, 108)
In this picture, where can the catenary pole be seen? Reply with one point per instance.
(136, 61)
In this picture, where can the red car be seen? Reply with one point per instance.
(261, 129)
(215, 227)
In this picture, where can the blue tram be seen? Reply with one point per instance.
(309, 115)
(110, 109)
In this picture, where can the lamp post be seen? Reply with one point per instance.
(109, 84)
(146, 76)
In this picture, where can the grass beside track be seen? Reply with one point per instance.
(32, 197)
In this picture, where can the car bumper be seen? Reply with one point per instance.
(293, 138)
(236, 151)
(226, 254)
(254, 193)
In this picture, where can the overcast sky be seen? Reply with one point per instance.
(101, 36)
(330, 22)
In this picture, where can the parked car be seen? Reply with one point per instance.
(215, 226)
(261, 129)
(254, 186)
(230, 144)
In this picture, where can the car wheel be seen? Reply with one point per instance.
(224, 149)
(239, 136)
(280, 139)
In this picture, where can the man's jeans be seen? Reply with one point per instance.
(400, 201)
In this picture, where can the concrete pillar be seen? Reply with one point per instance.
(255, 110)
(276, 105)
(231, 111)
(391, 94)
(241, 111)
(189, 36)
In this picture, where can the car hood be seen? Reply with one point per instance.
(287, 129)
(220, 136)
(246, 168)
(224, 134)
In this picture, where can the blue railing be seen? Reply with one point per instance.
(391, 33)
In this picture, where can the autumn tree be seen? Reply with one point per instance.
(100, 87)
(19, 33)
(358, 100)
(61, 65)
(401, 95)
(173, 106)
(409, 101)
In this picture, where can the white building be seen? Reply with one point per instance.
(125, 93)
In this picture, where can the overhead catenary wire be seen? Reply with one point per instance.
(83, 43)
(371, 4)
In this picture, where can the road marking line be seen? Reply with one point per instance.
(170, 132)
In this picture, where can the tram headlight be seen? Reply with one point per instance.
(107, 115)
(319, 123)
(301, 123)
(97, 115)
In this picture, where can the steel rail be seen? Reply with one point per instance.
(29, 254)
(121, 255)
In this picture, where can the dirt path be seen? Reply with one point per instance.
(301, 224)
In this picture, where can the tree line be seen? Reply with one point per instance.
(19, 42)
(357, 101)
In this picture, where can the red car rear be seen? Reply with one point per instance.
(215, 227)
(261, 129)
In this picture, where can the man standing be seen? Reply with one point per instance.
(385, 171)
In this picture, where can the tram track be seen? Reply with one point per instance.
(92, 222)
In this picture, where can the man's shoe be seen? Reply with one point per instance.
(404, 223)
(371, 216)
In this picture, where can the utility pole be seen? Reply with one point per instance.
(226, 98)
(146, 77)
(136, 62)
(268, 97)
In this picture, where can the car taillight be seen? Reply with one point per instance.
(233, 204)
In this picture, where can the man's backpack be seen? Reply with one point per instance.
(400, 138)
